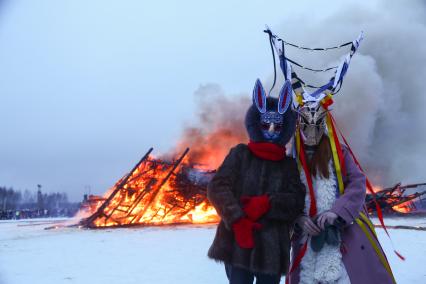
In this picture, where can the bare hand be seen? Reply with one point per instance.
(308, 226)
(326, 217)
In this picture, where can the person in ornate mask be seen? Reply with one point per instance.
(258, 194)
(330, 243)
(312, 123)
(334, 241)
(271, 123)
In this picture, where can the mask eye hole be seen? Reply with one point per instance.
(264, 125)
(278, 127)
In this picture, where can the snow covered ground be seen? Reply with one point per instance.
(30, 254)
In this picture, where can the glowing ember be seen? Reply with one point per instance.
(406, 207)
(377, 188)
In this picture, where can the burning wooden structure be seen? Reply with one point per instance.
(156, 192)
(159, 192)
(397, 199)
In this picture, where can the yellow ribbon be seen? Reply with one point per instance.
(331, 136)
(376, 248)
(299, 99)
(298, 148)
(368, 222)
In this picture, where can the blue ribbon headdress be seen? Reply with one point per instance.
(294, 84)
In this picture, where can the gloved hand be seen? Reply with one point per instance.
(255, 206)
(326, 217)
(307, 225)
(243, 232)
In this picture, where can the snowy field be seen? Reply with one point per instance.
(30, 254)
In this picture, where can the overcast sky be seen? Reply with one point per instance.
(86, 87)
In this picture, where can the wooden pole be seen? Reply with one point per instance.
(139, 216)
(89, 221)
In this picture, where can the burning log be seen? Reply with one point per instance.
(156, 192)
(395, 199)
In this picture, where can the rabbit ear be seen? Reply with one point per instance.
(285, 97)
(259, 97)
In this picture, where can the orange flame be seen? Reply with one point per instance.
(377, 188)
(154, 196)
(146, 199)
(219, 127)
(405, 207)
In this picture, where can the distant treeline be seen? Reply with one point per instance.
(17, 204)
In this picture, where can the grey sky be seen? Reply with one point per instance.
(87, 86)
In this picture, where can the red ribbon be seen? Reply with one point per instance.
(338, 147)
(312, 207)
(302, 157)
(369, 187)
(296, 261)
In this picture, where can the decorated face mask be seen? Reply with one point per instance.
(312, 123)
(271, 121)
(271, 124)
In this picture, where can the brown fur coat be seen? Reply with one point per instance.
(242, 173)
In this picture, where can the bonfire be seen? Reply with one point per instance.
(156, 192)
(163, 192)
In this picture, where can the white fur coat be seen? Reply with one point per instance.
(325, 266)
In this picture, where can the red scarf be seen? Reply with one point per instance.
(267, 150)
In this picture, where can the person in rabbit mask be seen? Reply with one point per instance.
(258, 194)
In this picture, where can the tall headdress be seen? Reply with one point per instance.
(318, 95)
(321, 96)
(294, 83)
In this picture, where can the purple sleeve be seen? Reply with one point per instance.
(348, 205)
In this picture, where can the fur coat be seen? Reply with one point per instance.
(325, 266)
(242, 173)
(361, 262)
